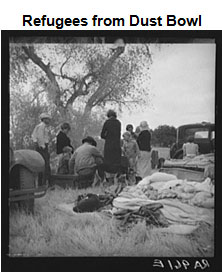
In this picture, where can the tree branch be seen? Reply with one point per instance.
(105, 72)
(148, 52)
(122, 102)
(64, 63)
(80, 91)
(64, 76)
(29, 51)
(36, 95)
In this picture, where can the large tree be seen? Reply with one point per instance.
(75, 78)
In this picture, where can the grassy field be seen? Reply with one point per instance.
(50, 232)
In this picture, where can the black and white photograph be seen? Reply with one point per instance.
(111, 145)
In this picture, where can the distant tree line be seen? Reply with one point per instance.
(163, 136)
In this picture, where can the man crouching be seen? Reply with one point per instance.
(85, 161)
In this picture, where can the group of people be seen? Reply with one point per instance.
(87, 160)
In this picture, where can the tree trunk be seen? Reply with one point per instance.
(102, 91)
(86, 119)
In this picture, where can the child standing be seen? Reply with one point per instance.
(130, 150)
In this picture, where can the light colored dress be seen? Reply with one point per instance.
(190, 150)
(144, 164)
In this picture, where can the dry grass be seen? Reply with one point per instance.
(50, 232)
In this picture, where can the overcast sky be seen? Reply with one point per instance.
(182, 86)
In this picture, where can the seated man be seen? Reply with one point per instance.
(85, 161)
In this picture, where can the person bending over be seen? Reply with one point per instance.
(86, 160)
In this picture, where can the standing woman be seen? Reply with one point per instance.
(143, 140)
(111, 133)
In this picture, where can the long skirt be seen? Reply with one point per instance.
(144, 164)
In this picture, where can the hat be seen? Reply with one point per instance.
(44, 115)
(144, 125)
(89, 140)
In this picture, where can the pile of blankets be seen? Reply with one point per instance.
(161, 200)
(161, 185)
(183, 202)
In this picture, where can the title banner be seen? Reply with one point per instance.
(133, 20)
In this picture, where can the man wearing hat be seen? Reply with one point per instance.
(86, 160)
(40, 137)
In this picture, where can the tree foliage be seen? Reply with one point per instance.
(164, 136)
(94, 72)
(73, 81)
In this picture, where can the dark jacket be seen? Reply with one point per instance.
(62, 140)
(143, 140)
(111, 133)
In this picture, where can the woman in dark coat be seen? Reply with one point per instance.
(111, 133)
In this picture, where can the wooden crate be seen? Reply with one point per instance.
(70, 181)
(64, 181)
